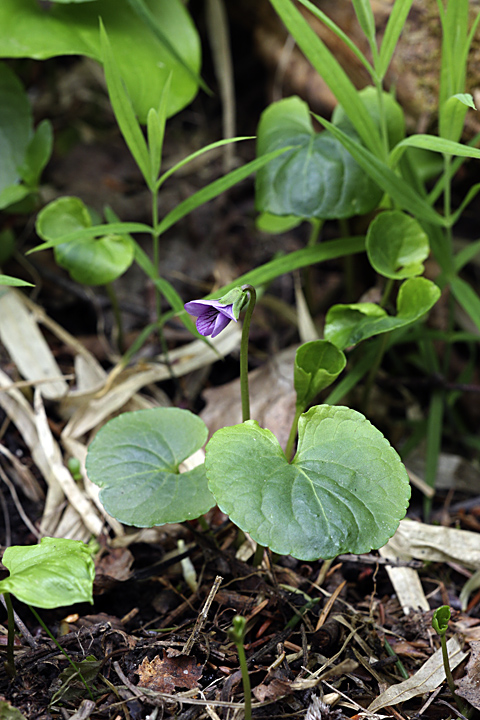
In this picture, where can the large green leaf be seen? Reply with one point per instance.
(89, 261)
(347, 325)
(135, 460)
(54, 573)
(317, 178)
(16, 128)
(397, 245)
(29, 30)
(345, 491)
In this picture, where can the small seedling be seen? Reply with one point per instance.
(237, 635)
(440, 619)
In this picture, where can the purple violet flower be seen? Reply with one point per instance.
(212, 316)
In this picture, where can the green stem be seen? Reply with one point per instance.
(74, 665)
(399, 664)
(293, 434)
(464, 709)
(252, 297)
(247, 691)
(10, 661)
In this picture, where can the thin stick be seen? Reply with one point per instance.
(201, 619)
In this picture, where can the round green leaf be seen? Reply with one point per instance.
(90, 261)
(54, 573)
(318, 178)
(345, 491)
(62, 217)
(317, 365)
(135, 460)
(347, 325)
(397, 245)
(394, 116)
(28, 30)
(97, 261)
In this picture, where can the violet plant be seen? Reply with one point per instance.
(344, 491)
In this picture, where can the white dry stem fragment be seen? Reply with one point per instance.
(128, 382)
(58, 475)
(27, 347)
(188, 569)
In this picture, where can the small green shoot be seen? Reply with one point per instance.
(237, 635)
(440, 619)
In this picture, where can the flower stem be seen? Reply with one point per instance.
(10, 661)
(252, 297)
(293, 434)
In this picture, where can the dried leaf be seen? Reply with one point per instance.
(27, 347)
(435, 543)
(468, 687)
(428, 678)
(272, 691)
(164, 675)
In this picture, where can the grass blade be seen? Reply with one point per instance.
(122, 107)
(467, 298)
(332, 73)
(328, 22)
(215, 188)
(393, 185)
(395, 25)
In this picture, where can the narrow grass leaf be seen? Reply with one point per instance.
(217, 187)
(467, 298)
(119, 228)
(332, 73)
(395, 25)
(167, 290)
(393, 185)
(197, 153)
(123, 109)
(294, 261)
(328, 22)
(14, 282)
(468, 253)
(363, 11)
(435, 144)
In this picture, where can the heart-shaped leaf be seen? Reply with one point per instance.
(54, 573)
(91, 261)
(347, 325)
(318, 178)
(135, 460)
(29, 30)
(345, 491)
(317, 365)
(397, 245)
